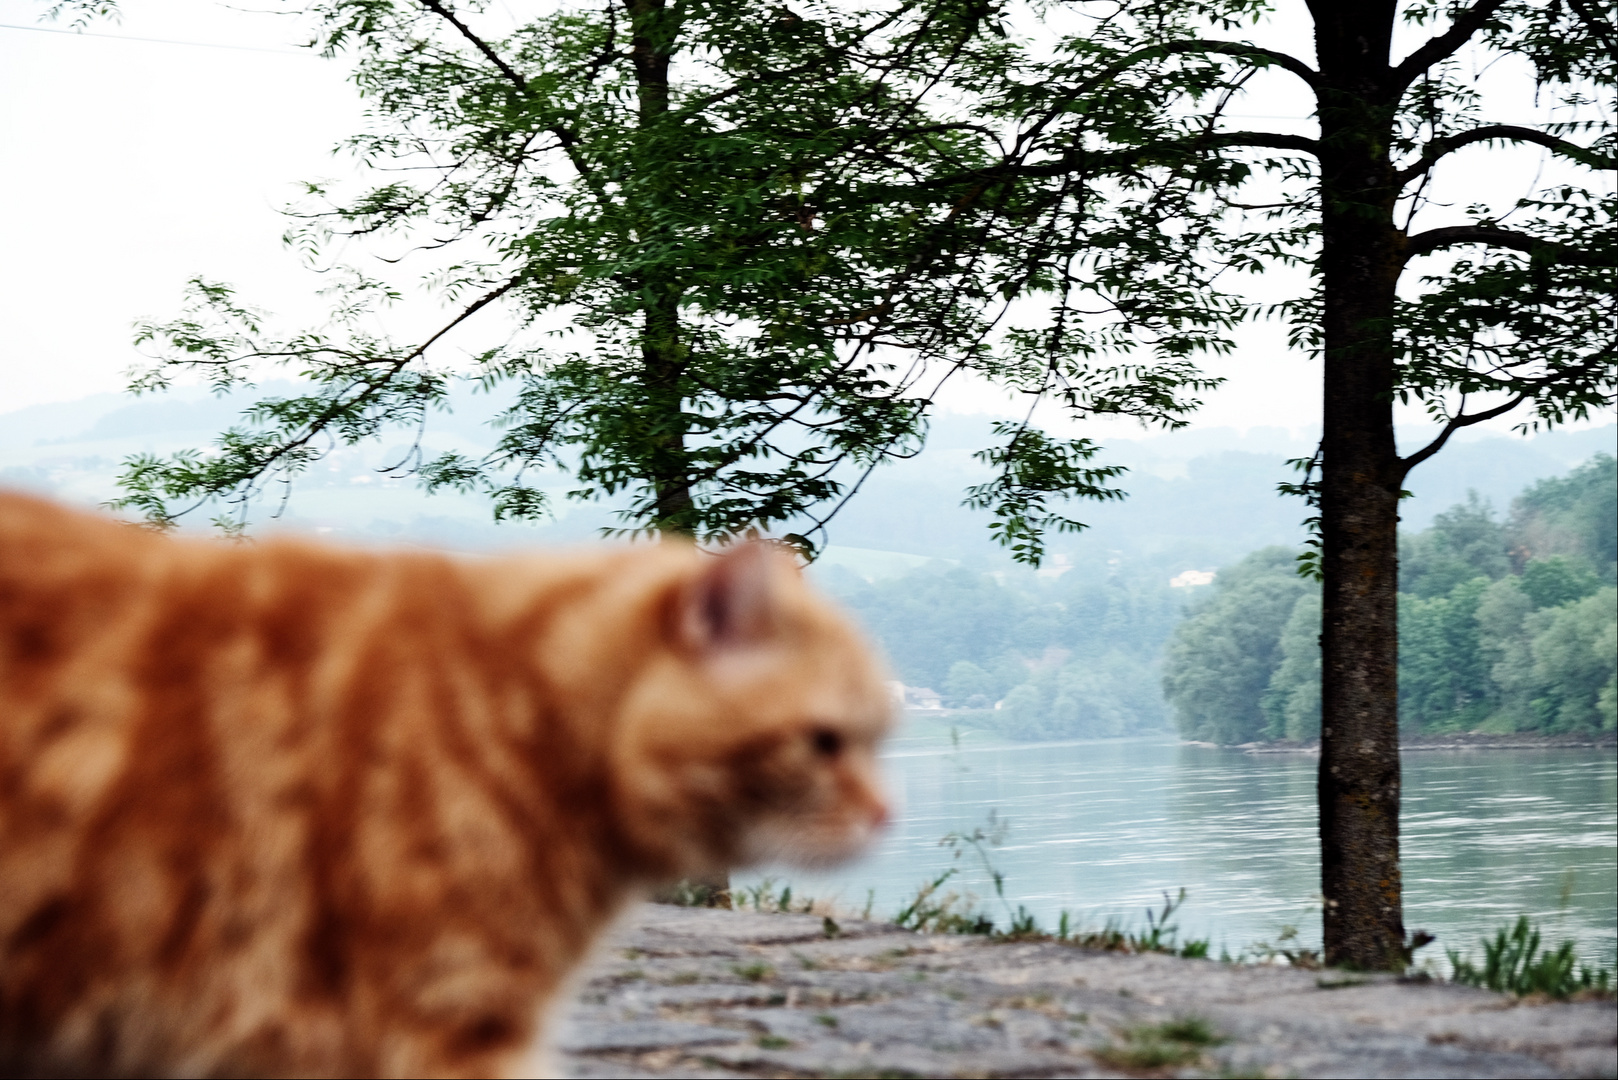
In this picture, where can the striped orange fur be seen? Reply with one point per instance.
(289, 809)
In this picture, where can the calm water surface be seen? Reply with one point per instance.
(1102, 829)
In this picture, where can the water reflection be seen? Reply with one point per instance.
(1102, 829)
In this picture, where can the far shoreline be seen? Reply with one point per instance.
(1456, 740)
(958, 722)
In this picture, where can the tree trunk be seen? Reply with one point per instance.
(662, 355)
(652, 38)
(1359, 495)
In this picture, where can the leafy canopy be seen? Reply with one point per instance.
(742, 251)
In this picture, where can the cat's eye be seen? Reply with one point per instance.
(826, 742)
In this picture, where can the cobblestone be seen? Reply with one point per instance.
(690, 992)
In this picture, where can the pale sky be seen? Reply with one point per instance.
(131, 165)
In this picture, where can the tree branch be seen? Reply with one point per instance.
(1087, 160)
(1269, 139)
(1239, 48)
(1444, 45)
(568, 141)
(466, 313)
(391, 368)
(1439, 147)
(1266, 139)
(1449, 236)
(482, 46)
(1456, 423)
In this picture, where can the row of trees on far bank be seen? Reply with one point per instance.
(1503, 626)
(1071, 658)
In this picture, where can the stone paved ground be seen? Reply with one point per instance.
(690, 992)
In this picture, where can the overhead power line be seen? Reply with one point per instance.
(150, 40)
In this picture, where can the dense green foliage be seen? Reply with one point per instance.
(1502, 626)
(1495, 635)
(732, 254)
(1570, 516)
(1074, 657)
(1221, 658)
(771, 238)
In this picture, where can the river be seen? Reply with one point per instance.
(1102, 829)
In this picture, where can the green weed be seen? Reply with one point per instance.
(1160, 936)
(1192, 1030)
(1513, 964)
(754, 972)
(935, 912)
(1155, 1046)
(930, 913)
(765, 897)
(693, 894)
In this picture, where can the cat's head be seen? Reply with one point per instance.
(750, 733)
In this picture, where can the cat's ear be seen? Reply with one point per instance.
(730, 603)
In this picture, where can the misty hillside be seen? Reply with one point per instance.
(1074, 649)
(1197, 499)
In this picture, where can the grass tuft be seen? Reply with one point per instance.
(1180, 1041)
(771, 897)
(1192, 1030)
(687, 893)
(1513, 964)
(931, 913)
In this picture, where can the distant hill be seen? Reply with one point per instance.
(1198, 499)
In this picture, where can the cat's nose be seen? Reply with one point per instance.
(880, 815)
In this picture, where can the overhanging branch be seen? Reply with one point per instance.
(1240, 48)
(1268, 140)
(1437, 148)
(1092, 161)
(1453, 235)
(1262, 139)
(1179, 48)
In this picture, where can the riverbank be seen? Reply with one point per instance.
(693, 992)
(952, 728)
(1102, 829)
(1458, 740)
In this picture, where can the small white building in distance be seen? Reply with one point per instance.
(1187, 579)
(914, 698)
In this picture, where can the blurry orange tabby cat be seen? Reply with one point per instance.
(286, 809)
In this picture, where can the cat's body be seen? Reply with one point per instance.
(289, 809)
